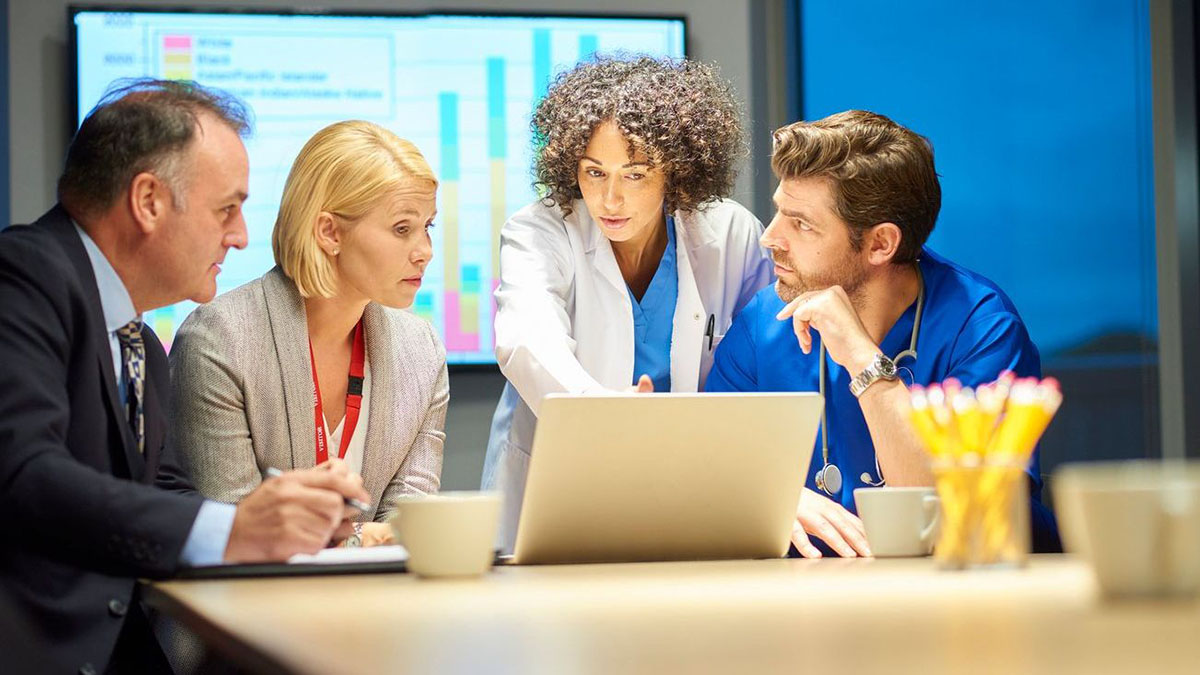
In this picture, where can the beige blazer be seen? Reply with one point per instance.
(242, 395)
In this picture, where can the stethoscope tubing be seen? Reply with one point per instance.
(822, 481)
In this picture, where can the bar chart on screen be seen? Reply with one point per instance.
(461, 88)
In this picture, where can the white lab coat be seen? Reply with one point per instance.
(564, 322)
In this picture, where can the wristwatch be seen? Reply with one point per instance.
(356, 538)
(881, 368)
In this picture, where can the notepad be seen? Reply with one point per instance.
(372, 560)
(351, 555)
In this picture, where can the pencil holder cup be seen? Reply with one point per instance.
(985, 513)
(980, 441)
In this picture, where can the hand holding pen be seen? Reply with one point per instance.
(352, 502)
(295, 512)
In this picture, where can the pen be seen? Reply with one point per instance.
(708, 331)
(272, 472)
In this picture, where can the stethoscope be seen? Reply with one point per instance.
(829, 478)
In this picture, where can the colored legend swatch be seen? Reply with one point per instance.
(177, 57)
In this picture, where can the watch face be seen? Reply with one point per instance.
(886, 367)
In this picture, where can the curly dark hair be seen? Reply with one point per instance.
(679, 113)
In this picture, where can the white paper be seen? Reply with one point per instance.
(351, 555)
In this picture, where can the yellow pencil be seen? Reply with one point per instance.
(927, 428)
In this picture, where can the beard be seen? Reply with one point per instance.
(846, 273)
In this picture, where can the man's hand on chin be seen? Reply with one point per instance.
(830, 313)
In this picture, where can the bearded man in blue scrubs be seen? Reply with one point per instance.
(861, 309)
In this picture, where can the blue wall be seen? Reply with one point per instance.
(1040, 120)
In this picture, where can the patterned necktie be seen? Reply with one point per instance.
(133, 356)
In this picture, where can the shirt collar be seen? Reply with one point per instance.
(115, 302)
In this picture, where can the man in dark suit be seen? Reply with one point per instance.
(90, 493)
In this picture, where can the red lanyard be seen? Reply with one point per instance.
(353, 397)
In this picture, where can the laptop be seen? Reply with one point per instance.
(642, 477)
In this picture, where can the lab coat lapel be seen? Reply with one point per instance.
(609, 360)
(687, 335)
(599, 248)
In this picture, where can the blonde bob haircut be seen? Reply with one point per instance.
(344, 170)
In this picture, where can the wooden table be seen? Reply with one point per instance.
(798, 616)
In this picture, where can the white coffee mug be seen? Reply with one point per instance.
(1137, 523)
(451, 534)
(900, 521)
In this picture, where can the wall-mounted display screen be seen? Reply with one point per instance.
(461, 87)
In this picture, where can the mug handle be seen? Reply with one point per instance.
(933, 513)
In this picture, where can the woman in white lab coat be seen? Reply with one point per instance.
(631, 269)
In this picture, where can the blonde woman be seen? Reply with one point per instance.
(315, 359)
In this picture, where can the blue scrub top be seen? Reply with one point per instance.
(969, 330)
(654, 319)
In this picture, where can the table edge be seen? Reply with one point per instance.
(224, 642)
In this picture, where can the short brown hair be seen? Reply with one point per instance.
(140, 125)
(879, 172)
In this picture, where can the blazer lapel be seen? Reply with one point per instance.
(58, 222)
(289, 330)
(134, 463)
(391, 386)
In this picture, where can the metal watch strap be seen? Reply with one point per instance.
(881, 368)
(355, 539)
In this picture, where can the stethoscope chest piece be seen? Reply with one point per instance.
(829, 479)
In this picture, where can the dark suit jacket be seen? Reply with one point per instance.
(81, 516)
